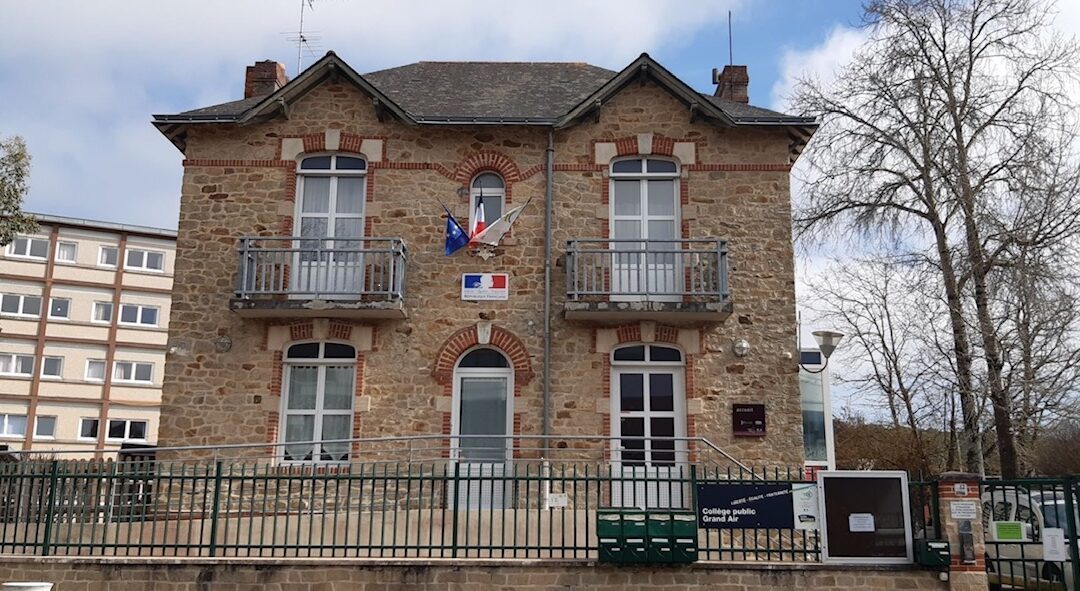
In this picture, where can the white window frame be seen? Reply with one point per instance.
(140, 309)
(29, 242)
(37, 423)
(13, 359)
(46, 376)
(104, 370)
(134, 371)
(81, 437)
(319, 412)
(127, 430)
(145, 257)
(68, 317)
(22, 305)
(101, 256)
(678, 412)
(74, 251)
(643, 218)
(94, 309)
(489, 193)
(5, 423)
(481, 372)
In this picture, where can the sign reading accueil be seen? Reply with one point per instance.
(738, 506)
(485, 286)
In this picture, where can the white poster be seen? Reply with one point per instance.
(861, 522)
(804, 501)
(1054, 545)
(963, 510)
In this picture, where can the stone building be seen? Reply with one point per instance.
(84, 319)
(313, 299)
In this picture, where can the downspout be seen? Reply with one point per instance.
(548, 212)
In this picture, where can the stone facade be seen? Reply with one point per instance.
(421, 575)
(241, 181)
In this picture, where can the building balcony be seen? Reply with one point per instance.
(294, 277)
(674, 281)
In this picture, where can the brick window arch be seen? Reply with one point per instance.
(469, 337)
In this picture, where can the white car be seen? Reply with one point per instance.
(1014, 518)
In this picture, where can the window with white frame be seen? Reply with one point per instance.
(60, 308)
(645, 224)
(133, 371)
(88, 428)
(144, 260)
(318, 401)
(44, 427)
(95, 370)
(482, 417)
(108, 256)
(102, 312)
(487, 188)
(30, 248)
(12, 425)
(16, 364)
(66, 252)
(125, 430)
(14, 304)
(648, 404)
(332, 189)
(52, 367)
(138, 314)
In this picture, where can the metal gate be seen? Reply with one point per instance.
(1031, 533)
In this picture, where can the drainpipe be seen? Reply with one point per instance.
(548, 212)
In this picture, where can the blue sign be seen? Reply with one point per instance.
(722, 505)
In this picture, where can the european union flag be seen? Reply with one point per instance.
(456, 237)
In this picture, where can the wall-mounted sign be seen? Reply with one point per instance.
(861, 522)
(963, 510)
(748, 420)
(485, 286)
(1008, 531)
(743, 506)
(804, 503)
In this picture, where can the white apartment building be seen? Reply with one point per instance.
(84, 312)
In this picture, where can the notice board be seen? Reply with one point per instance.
(866, 516)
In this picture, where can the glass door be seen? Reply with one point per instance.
(644, 224)
(482, 427)
(330, 215)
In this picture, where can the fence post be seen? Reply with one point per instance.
(965, 573)
(215, 508)
(454, 514)
(1071, 495)
(50, 513)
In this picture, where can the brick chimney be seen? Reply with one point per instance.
(263, 78)
(733, 83)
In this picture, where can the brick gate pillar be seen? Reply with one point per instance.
(961, 520)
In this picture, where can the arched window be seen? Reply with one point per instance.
(645, 223)
(489, 189)
(483, 405)
(318, 401)
(331, 191)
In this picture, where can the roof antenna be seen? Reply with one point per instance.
(730, 53)
(304, 41)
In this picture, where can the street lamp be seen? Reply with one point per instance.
(827, 340)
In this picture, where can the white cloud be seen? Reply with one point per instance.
(81, 79)
(821, 61)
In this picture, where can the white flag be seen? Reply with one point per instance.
(495, 231)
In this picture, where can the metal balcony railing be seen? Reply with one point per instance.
(322, 268)
(653, 270)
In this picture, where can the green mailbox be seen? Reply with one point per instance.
(661, 540)
(684, 530)
(637, 537)
(933, 553)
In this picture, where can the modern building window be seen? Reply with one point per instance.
(31, 248)
(12, 425)
(138, 314)
(330, 210)
(318, 402)
(133, 371)
(144, 260)
(108, 256)
(482, 416)
(125, 430)
(44, 427)
(816, 411)
(95, 370)
(66, 252)
(645, 223)
(60, 308)
(88, 428)
(489, 188)
(102, 312)
(52, 367)
(14, 304)
(14, 364)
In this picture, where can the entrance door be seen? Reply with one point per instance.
(644, 223)
(330, 212)
(648, 413)
(482, 424)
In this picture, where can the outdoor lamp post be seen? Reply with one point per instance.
(827, 340)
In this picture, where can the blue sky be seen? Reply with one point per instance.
(80, 80)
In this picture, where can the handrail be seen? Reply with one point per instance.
(677, 269)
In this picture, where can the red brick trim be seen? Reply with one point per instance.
(314, 142)
(351, 142)
(487, 160)
(738, 167)
(466, 338)
(663, 146)
(579, 167)
(439, 168)
(277, 374)
(302, 331)
(626, 146)
(238, 163)
(532, 170)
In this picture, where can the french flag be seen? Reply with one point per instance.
(478, 224)
(486, 281)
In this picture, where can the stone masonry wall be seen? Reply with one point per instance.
(237, 182)
(300, 575)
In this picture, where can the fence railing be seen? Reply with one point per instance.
(322, 268)
(655, 269)
(521, 509)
